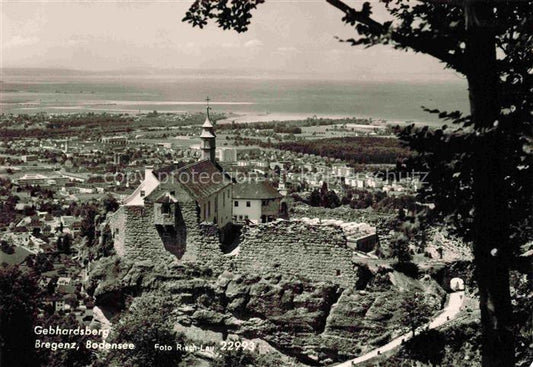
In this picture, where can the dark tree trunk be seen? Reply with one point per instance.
(492, 251)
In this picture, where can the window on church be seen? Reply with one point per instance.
(248, 204)
(236, 203)
(165, 208)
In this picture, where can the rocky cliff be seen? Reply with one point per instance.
(316, 322)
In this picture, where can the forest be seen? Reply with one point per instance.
(354, 149)
(293, 126)
(84, 125)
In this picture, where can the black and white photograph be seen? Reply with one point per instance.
(266, 183)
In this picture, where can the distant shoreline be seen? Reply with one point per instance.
(239, 117)
(243, 100)
(250, 118)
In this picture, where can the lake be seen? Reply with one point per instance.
(271, 98)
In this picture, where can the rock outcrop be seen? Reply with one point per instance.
(316, 322)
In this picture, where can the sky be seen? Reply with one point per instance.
(286, 37)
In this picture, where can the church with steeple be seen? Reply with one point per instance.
(167, 209)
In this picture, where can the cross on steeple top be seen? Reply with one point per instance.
(208, 124)
(207, 99)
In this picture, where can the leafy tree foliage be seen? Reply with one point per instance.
(110, 204)
(331, 200)
(106, 247)
(40, 263)
(59, 125)
(314, 198)
(242, 357)
(521, 286)
(80, 357)
(63, 243)
(234, 15)
(89, 213)
(355, 149)
(234, 358)
(18, 309)
(415, 311)
(427, 347)
(6, 247)
(7, 210)
(281, 129)
(400, 249)
(481, 170)
(146, 323)
(324, 198)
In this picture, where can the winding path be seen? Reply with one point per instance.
(449, 312)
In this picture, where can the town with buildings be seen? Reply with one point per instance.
(357, 192)
(200, 196)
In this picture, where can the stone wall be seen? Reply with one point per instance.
(203, 244)
(117, 225)
(295, 248)
(142, 239)
(292, 248)
(137, 237)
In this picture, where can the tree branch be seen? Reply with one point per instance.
(377, 29)
(449, 2)
(358, 16)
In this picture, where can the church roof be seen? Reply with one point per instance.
(206, 134)
(255, 190)
(149, 184)
(202, 179)
(207, 123)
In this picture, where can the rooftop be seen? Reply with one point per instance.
(149, 184)
(206, 134)
(202, 179)
(255, 190)
(207, 123)
(33, 176)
